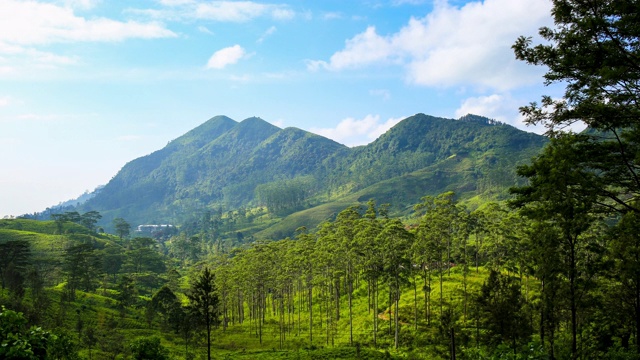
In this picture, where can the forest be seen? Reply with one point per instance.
(551, 272)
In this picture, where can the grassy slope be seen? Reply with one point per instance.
(457, 173)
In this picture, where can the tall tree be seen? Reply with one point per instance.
(122, 227)
(368, 229)
(439, 226)
(397, 241)
(14, 259)
(203, 301)
(90, 219)
(555, 195)
(345, 232)
(625, 253)
(500, 309)
(594, 50)
(82, 267)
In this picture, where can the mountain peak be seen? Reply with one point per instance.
(480, 119)
(254, 120)
(206, 131)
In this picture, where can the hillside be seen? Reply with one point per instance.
(224, 165)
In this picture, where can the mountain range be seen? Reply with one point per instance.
(303, 178)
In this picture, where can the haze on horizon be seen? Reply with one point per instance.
(88, 85)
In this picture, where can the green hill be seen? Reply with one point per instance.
(225, 165)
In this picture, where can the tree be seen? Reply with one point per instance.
(143, 256)
(165, 303)
(14, 259)
(439, 226)
(149, 348)
(112, 259)
(625, 252)
(126, 292)
(594, 50)
(203, 301)
(345, 232)
(17, 342)
(396, 242)
(123, 228)
(82, 267)
(500, 310)
(368, 229)
(90, 219)
(555, 196)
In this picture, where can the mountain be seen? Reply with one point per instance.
(218, 164)
(225, 165)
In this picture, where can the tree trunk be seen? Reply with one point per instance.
(310, 314)
(375, 312)
(397, 300)
(574, 310)
(208, 339)
(415, 301)
(350, 290)
(453, 344)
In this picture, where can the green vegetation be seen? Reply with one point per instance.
(553, 273)
(224, 166)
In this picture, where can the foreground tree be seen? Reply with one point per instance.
(594, 50)
(17, 342)
(555, 196)
(203, 301)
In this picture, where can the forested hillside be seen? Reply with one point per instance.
(224, 166)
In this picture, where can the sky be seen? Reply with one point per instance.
(89, 85)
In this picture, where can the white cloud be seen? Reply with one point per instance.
(364, 49)
(332, 16)
(495, 106)
(270, 31)
(453, 45)
(501, 107)
(226, 56)
(354, 132)
(4, 70)
(245, 78)
(82, 4)
(175, 2)
(39, 117)
(382, 93)
(35, 23)
(4, 101)
(27, 25)
(223, 11)
(205, 30)
(504, 108)
(279, 123)
(408, 2)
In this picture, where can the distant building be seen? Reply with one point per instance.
(153, 228)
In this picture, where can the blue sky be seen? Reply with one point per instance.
(88, 85)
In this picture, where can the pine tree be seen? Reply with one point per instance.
(203, 301)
